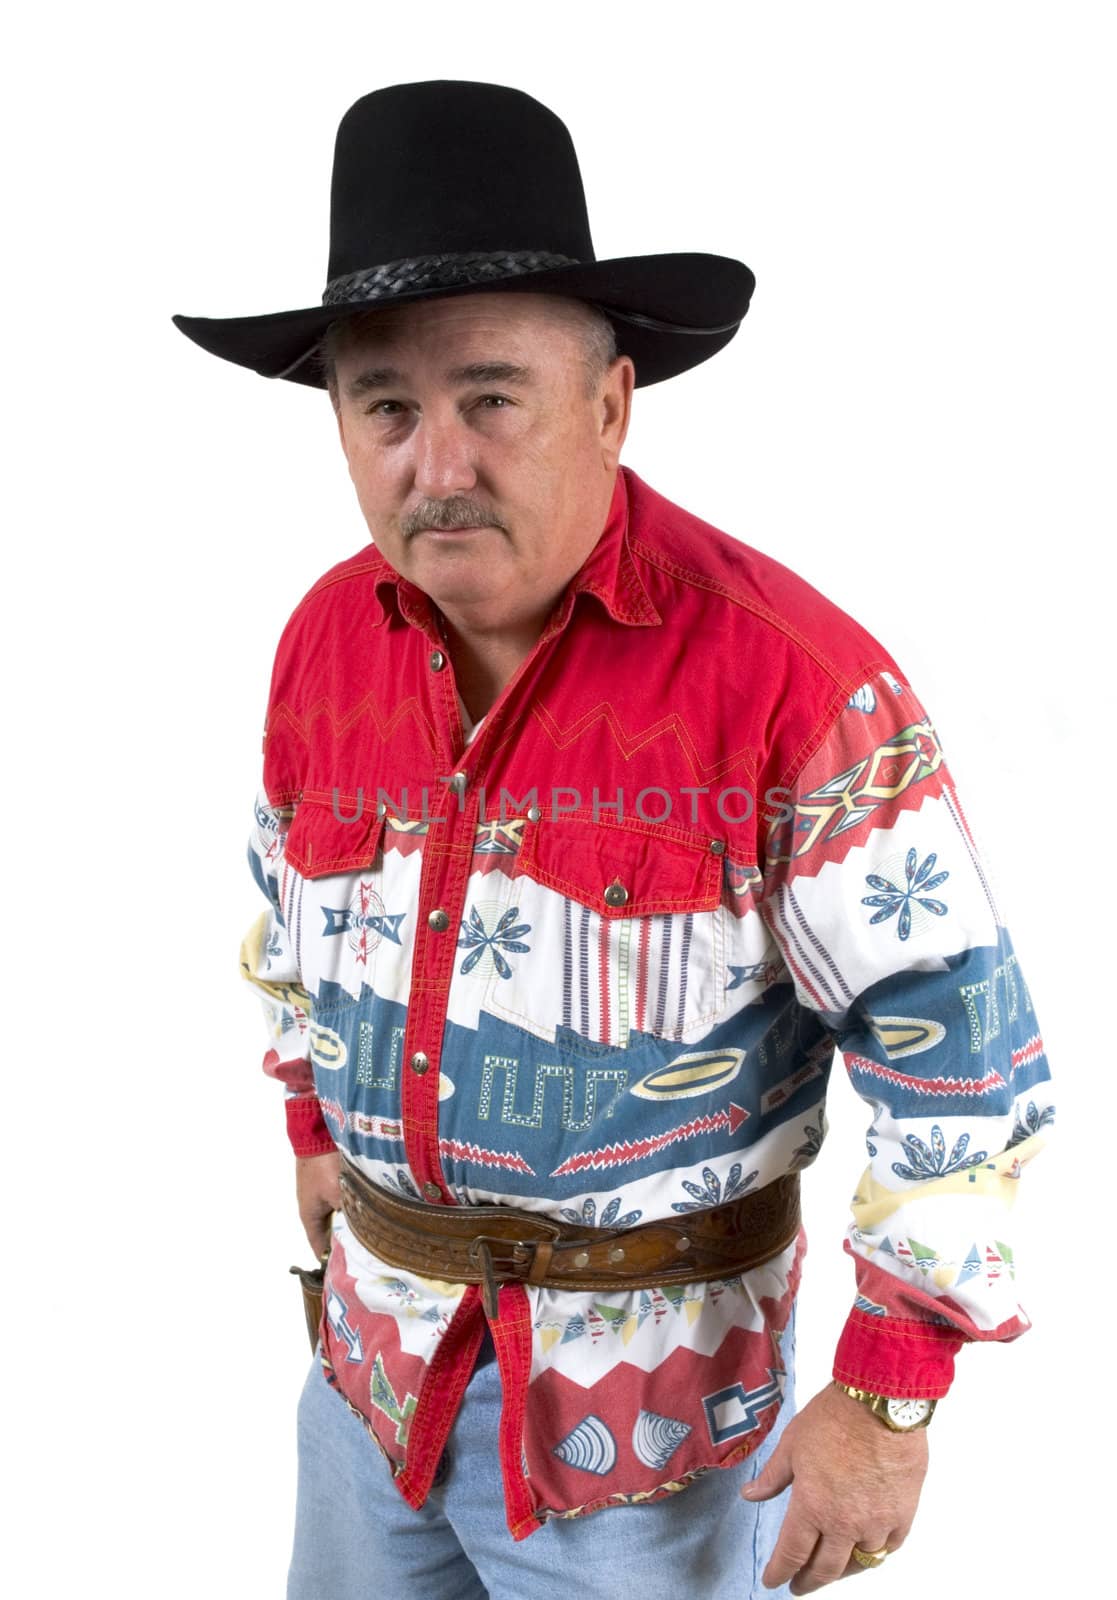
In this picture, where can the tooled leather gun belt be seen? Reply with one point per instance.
(492, 1245)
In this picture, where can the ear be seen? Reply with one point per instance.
(615, 409)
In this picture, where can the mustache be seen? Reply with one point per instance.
(460, 512)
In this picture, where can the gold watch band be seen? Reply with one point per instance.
(878, 1404)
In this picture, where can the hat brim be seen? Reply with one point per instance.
(687, 307)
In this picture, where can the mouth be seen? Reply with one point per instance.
(456, 533)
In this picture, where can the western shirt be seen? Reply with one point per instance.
(594, 962)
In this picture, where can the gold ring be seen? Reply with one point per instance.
(869, 1558)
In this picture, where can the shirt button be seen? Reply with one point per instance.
(458, 783)
(438, 661)
(717, 847)
(420, 1061)
(432, 1191)
(533, 813)
(439, 921)
(616, 894)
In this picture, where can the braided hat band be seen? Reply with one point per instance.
(445, 271)
(462, 269)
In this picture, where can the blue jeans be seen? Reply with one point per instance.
(357, 1539)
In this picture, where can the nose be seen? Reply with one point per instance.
(444, 455)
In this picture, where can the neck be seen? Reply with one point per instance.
(486, 659)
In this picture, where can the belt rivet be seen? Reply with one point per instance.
(682, 1243)
(582, 1259)
(616, 1254)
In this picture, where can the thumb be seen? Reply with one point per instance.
(774, 1479)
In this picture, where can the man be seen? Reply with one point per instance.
(587, 832)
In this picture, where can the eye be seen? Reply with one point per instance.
(498, 400)
(374, 409)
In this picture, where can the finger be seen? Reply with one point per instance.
(891, 1542)
(832, 1559)
(773, 1479)
(794, 1549)
(317, 1232)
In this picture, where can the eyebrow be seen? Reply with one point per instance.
(476, 372)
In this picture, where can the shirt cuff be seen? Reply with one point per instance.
(306, 1126)
(897, 1356)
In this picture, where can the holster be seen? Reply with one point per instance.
(312, 1280)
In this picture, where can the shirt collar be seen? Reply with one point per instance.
(609, 572)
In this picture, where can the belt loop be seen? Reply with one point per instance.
(488, 1284)
(541, 1262)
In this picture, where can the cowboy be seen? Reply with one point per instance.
(587, 832)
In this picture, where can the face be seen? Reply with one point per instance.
(483, 467)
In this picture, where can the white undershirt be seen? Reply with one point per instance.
(469, 726)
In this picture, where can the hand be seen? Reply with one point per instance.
(855, 1482)
(319, 1195)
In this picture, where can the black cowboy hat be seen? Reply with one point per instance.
(450, 187)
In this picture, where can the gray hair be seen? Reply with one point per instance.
(598, 337)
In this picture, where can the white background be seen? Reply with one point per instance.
(915, 415)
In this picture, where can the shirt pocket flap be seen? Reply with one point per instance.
(622, 870)
(321, 843)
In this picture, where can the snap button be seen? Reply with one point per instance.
(616, 1254)
(616, 894)
(582, 1259)
(438, 661)
(682, 1243)
(458, 783)
(432, 1191)
(439, 921)
(420, 1061)
(717, 847)
(533, 813)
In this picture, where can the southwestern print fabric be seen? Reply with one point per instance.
(457, 1002)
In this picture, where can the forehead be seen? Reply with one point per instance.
(540, 323)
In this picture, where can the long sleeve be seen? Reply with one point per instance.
(878, 899)
(269, 963)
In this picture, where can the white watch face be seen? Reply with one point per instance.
(908, 1413)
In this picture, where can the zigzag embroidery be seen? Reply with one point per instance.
(1027, 1053)
(484, 1158)
(331, 1109)
(628, 744)
(964, 1086)
(615, 1155)
(386, 726)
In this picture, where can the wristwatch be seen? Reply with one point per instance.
(902, 1416)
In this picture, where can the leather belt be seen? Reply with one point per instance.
(492, 1245)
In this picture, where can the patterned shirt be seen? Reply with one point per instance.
(456, 1003)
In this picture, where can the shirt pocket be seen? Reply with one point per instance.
(606, 932)
(333, 905)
